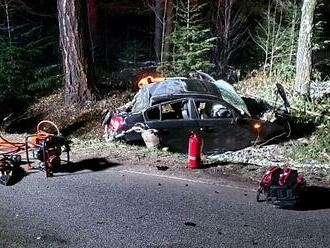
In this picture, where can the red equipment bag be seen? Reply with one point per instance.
(271, 176)
(282, 187)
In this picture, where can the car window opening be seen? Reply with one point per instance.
(212, 110)
(153, 113)
(169, 111)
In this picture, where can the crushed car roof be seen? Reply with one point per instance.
(170, 87)
(173, 86)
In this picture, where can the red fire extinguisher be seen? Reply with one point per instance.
(194, 151)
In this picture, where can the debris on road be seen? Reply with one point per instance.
(264, 157)
(190, 224)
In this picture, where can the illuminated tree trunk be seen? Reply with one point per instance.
(158, 28)
(230, 30)
(75, 45)
(168, 29)
(304, 53)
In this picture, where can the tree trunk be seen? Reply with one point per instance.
(8, 22)
(93, 25)
(75, 45)
(230, 28)
(168, 29)
(304, 53)
(158, 28)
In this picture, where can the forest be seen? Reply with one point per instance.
(88, 51)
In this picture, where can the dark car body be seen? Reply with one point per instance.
(177, 107)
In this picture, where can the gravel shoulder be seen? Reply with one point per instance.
(243, 167)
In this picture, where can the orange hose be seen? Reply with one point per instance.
(49, 122)
(40, 134)
(7, 147)
(7, 142)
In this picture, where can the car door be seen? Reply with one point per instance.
(174, 121)
(220, 129)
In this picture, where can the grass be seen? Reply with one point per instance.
(314, 148)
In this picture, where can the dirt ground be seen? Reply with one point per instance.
(152, 160)
(140, 156)
(84, 129)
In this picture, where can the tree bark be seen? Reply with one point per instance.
(158, 28)
(168, 29)
(304, 53)
(230, 28)
(93, 25)
(75, 46)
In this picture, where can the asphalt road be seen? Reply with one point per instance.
(118, 207)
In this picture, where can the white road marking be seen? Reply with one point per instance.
(186, 180)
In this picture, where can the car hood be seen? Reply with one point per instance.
(229, 95)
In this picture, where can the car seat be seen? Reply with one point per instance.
(185, 112)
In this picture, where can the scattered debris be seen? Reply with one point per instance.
(162, 168)
(263, 157)
(150, 137)
(141, 217)
(190, 224)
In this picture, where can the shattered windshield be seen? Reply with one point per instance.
(230, 96)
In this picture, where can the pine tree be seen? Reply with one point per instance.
(191, 41)
(27, 69)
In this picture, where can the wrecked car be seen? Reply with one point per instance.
(173, 108)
